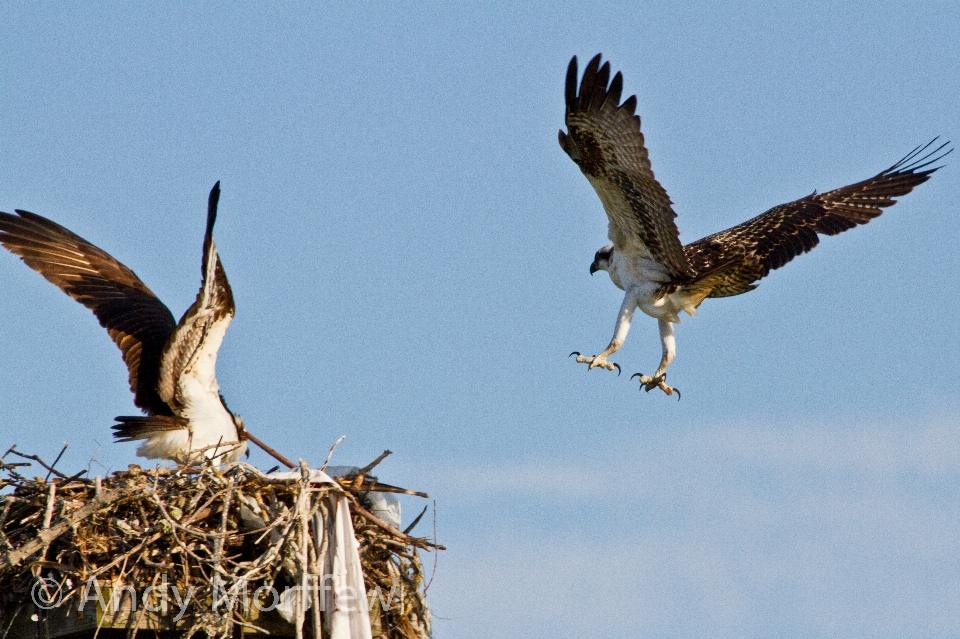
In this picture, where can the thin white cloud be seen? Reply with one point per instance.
(732, 531)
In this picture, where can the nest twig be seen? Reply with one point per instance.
(220, 531)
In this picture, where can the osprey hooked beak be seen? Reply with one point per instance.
(601, 261)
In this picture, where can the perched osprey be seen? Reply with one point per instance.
(172, 366)
(660, 275)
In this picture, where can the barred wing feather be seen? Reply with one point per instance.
(138, 322)
(603, 137)
(735, 259)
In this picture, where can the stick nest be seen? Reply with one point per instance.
(198, 526)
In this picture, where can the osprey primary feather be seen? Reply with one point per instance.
(172, 365)
(657, 273)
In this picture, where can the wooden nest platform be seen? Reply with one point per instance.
(206, 551)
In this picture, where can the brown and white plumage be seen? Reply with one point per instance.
(770, 240)
(603, 137)
(171, 365)
(647, 260)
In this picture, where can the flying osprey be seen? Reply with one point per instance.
(660, 275)
(172, 366)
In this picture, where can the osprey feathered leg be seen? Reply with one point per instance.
(627, 309)
(659, 379)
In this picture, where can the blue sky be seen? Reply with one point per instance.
(409, 249)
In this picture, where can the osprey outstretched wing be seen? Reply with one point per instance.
(604, 139)
(658, 274)
(136, 320)
(751, 250)
(171, 365)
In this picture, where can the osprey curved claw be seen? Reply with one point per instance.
(603, 363)
(649, 383)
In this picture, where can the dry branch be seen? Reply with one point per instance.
(223, 531)
(46, 537)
